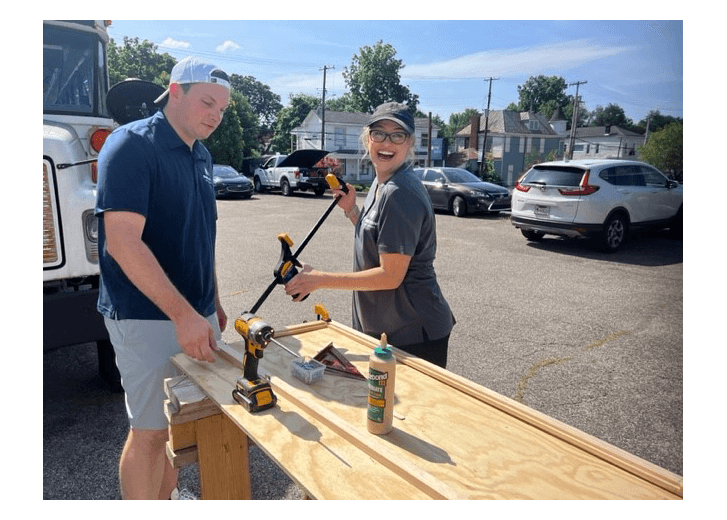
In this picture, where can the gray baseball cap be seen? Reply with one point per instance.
(399, 113)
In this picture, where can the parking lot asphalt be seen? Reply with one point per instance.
(592, 339)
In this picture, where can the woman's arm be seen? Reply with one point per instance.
(388, 275)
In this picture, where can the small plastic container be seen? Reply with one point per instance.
(309, 371)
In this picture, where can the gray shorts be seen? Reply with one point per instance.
(143, 350)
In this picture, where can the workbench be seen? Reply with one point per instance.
(452, 438)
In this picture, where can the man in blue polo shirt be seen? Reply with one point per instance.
(158, 291)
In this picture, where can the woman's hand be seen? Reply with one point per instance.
(303, 283)
(346, 200)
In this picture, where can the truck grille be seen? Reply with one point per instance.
(50, 243)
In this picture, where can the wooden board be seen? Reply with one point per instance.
(321, 462)
(451, 439)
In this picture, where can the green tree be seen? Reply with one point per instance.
(342, 103)
(458, 121)
(489, 173)
(250, 123)
(665, 150)
(265, 103)
(135, 59)
(657, 121)
(543, 94)
(373, 78)
(289, 117)
(612, 115)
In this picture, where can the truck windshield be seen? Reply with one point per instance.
(73, 72)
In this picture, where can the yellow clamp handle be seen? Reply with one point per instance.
(284, 237)
(321, 311)
(333, 182)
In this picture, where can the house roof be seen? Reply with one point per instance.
(511, 122)
(600, 131)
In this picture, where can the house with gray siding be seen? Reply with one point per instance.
(514, 141)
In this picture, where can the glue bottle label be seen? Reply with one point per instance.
(377, 395)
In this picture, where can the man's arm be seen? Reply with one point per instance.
(123, 240)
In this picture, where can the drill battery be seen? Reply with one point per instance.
(255, 396)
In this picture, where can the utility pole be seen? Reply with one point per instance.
(574, 123)
(646, 135)
(487, 123)
(429, 141)
(323, 109)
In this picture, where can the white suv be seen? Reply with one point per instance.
(602, 199)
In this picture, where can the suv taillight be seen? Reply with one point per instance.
(520, 187)
(583, 189)
(297, 174)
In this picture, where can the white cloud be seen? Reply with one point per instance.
(174, 44)
(227, 46)
(513, 62)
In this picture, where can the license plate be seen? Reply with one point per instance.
(542, 211)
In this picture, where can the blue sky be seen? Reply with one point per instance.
(637, 65)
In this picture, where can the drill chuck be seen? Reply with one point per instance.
(254, 330)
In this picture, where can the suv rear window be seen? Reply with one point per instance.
(554, 176)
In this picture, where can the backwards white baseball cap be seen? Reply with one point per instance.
(195, 70)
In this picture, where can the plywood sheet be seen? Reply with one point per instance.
(319, 460)
(478, 449)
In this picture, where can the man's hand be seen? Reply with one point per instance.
(196, 337)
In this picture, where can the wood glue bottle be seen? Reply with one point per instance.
(382, 373)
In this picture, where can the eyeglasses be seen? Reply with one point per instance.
(378, 136)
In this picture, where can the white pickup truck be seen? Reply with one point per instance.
(292, 172)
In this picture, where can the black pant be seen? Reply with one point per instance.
(433, 351)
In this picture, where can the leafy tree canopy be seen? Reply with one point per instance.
(264, 102)
(665, 149)
(289, 117)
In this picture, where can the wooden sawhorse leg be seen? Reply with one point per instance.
(222, 449)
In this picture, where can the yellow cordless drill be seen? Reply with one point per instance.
(251, 391)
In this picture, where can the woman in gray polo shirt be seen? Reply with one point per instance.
(394, 283)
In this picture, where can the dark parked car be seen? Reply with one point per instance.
(229, 182)
(461, 192)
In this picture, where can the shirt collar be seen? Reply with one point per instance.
(169, 137)
(405, 165)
